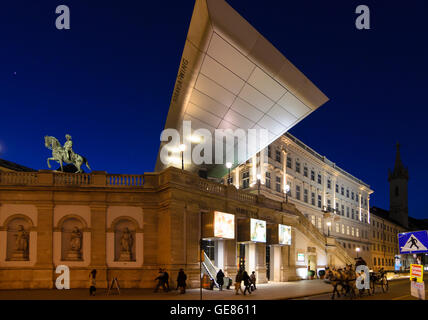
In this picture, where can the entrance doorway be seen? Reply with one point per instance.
(209, 248)
(268, 262)
(241, 256)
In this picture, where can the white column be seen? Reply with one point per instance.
(219, 254)
(284, 168)
(324, 187)
(237, 176)
(359, 204)
(334, 192)
(250, 257)
(254, 170)
(262, 166)
(368, 209)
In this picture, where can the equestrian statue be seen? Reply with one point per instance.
(65, 153)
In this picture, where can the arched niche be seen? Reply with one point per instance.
(18, 229)
(124, 239)
(72, 239)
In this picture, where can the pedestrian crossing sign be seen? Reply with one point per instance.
(413, 242)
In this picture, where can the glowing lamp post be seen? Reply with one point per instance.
(286, 191)
(357, 250)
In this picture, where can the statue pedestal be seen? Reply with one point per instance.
(19, 256)
(73, 256)
(125, 256)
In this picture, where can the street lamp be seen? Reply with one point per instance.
(228, 166)
(286, 190)
(328, 228)
(182, 148)
(357, 250)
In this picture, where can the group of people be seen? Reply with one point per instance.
(249, 282)
(163, 281)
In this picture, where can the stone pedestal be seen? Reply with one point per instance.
(19, 256)
(125, 256)
(73, 255)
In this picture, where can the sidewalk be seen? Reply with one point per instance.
(271, 291)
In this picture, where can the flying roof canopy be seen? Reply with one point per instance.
(231, 77)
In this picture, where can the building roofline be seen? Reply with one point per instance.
(324, 159)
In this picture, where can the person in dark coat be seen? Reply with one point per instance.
(220, 279)
(253, 281)
(181, 281)
(238, 281)
(161, 281)
(247, 282)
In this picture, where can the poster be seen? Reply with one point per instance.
(258, 230)
(224, 225)
(284, 234)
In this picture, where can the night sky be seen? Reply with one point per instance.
(108, 81)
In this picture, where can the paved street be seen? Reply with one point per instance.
(272, 291)
(398, 290)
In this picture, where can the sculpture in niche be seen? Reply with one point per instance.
(22, 241)
(75, 245)
(126, 243)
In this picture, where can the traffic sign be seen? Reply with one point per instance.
(413, 242)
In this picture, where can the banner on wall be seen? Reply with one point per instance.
(258, 230)
(224, 225)
(284, 234)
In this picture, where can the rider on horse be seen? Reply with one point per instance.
(68, 147)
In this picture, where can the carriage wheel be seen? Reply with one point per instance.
(385, 284)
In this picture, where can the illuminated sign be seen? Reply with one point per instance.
(284, 233)
(301, 257)
(417, 271)
(397, 263)
(224, 225)
(258, 230)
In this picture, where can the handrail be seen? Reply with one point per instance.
(210, 268)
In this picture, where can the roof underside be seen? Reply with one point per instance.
(231, 77)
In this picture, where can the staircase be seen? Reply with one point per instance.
(211, 270)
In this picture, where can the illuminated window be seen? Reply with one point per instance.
(358, 233)
(313, 220)
(246, 180)
(337, 228)
(353, 231)
(347, 230)
(343, 229)
(319, 222)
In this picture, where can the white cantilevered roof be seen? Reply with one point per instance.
(231, 77)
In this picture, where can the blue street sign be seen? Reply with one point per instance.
(413, 242)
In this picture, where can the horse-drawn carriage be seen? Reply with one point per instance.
(344, 281)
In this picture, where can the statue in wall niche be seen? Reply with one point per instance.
(75, 245)
(22, 239)
(126, 243)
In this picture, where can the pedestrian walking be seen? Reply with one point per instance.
(253, 281)
(166, 279)
(92, 283)
(220, 279)
(181, 281)
(161, 281)
(247, 282)
(238, 281)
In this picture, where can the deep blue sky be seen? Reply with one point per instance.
(108, 81)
